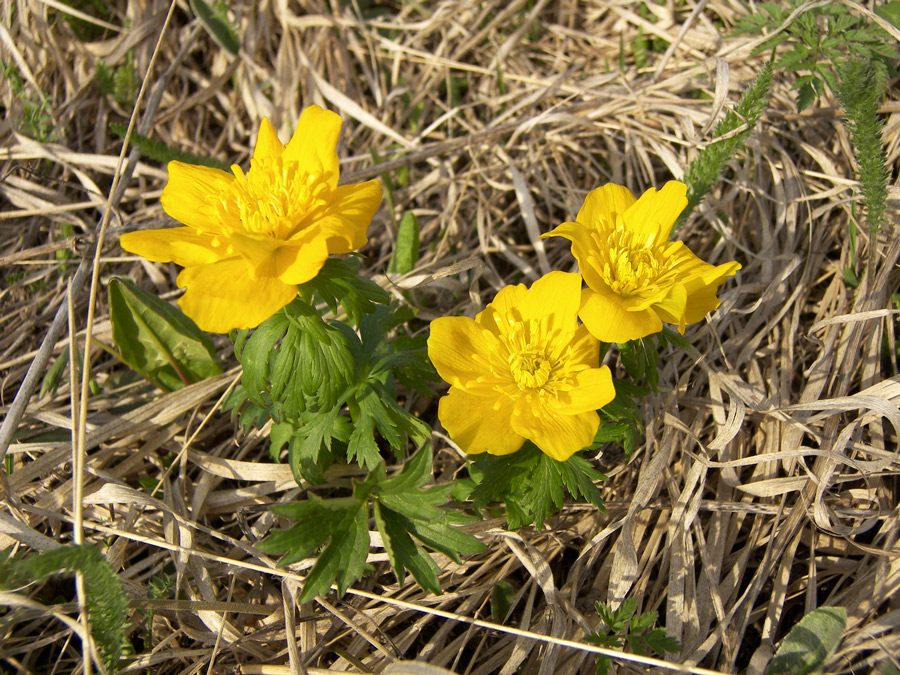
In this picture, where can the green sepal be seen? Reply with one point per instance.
(531, 483)
(339, 283)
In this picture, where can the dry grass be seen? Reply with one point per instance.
(766, 482)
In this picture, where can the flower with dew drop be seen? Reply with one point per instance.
(636, 278)
(523, 369)
(250, 238)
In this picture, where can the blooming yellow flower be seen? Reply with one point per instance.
(636, 277)
(522, 369)
(250, 238)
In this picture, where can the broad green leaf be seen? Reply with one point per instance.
(502, 596)
(810, 643)
(406, 247)
(157, 339)
(217, 26)
(889, 11)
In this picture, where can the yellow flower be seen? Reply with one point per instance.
(250, 238)
(523, 369)
(636, 277)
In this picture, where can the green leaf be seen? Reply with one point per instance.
(342, 522)
(160, 152)
(543, 493)
(810, 643)
(157, 339)
(403, 552)
(643, 622)
(56, 371)
(502, 596)
(659, 641)
(107, 604)
(406, 247)
(339, 283)
(216, 24)
(890, 12)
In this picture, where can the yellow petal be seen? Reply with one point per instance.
(583, 246)
(558, 435)
(223, 296)
(476, 426)
(495, 317)
(348, 215)
(609, 321)
(181, 245)
(458, 348)
(702, 300)
(191, 194)
(258, 250)
(603, 205)
(555, 296)
(585, 349)
(672, 307)
(591, 390)
(652, 216)
(314, 144)
(267, 143)
(299, 263)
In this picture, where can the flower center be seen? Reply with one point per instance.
(628, 266)
(530, 370)
(273, 198)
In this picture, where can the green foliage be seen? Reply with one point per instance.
(810, 643)
(120, 82)
(157, 339)
(330, 386)
(215, 20)
(37, 120)
(620, 419)
(107, 605)
(87, 31)
(530, 483)
(502, 596)
(406, 513)
(708, 165)
(159, 152)
(620, 626)
(406, 247)
(817, 40)
(859, 89)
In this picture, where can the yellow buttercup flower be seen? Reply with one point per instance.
(636, 277)
(523, 369)
(250, 238)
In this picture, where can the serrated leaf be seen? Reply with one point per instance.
(403, 553)
(343, 559)
(659, 641)
(810, 643)
(415, 473)
(406, 246)
(339, 283)
(218, 27)
(342, 523)
(544, 492)
(157, 339)
(447, 539)
(624, 612)
(643, 622)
